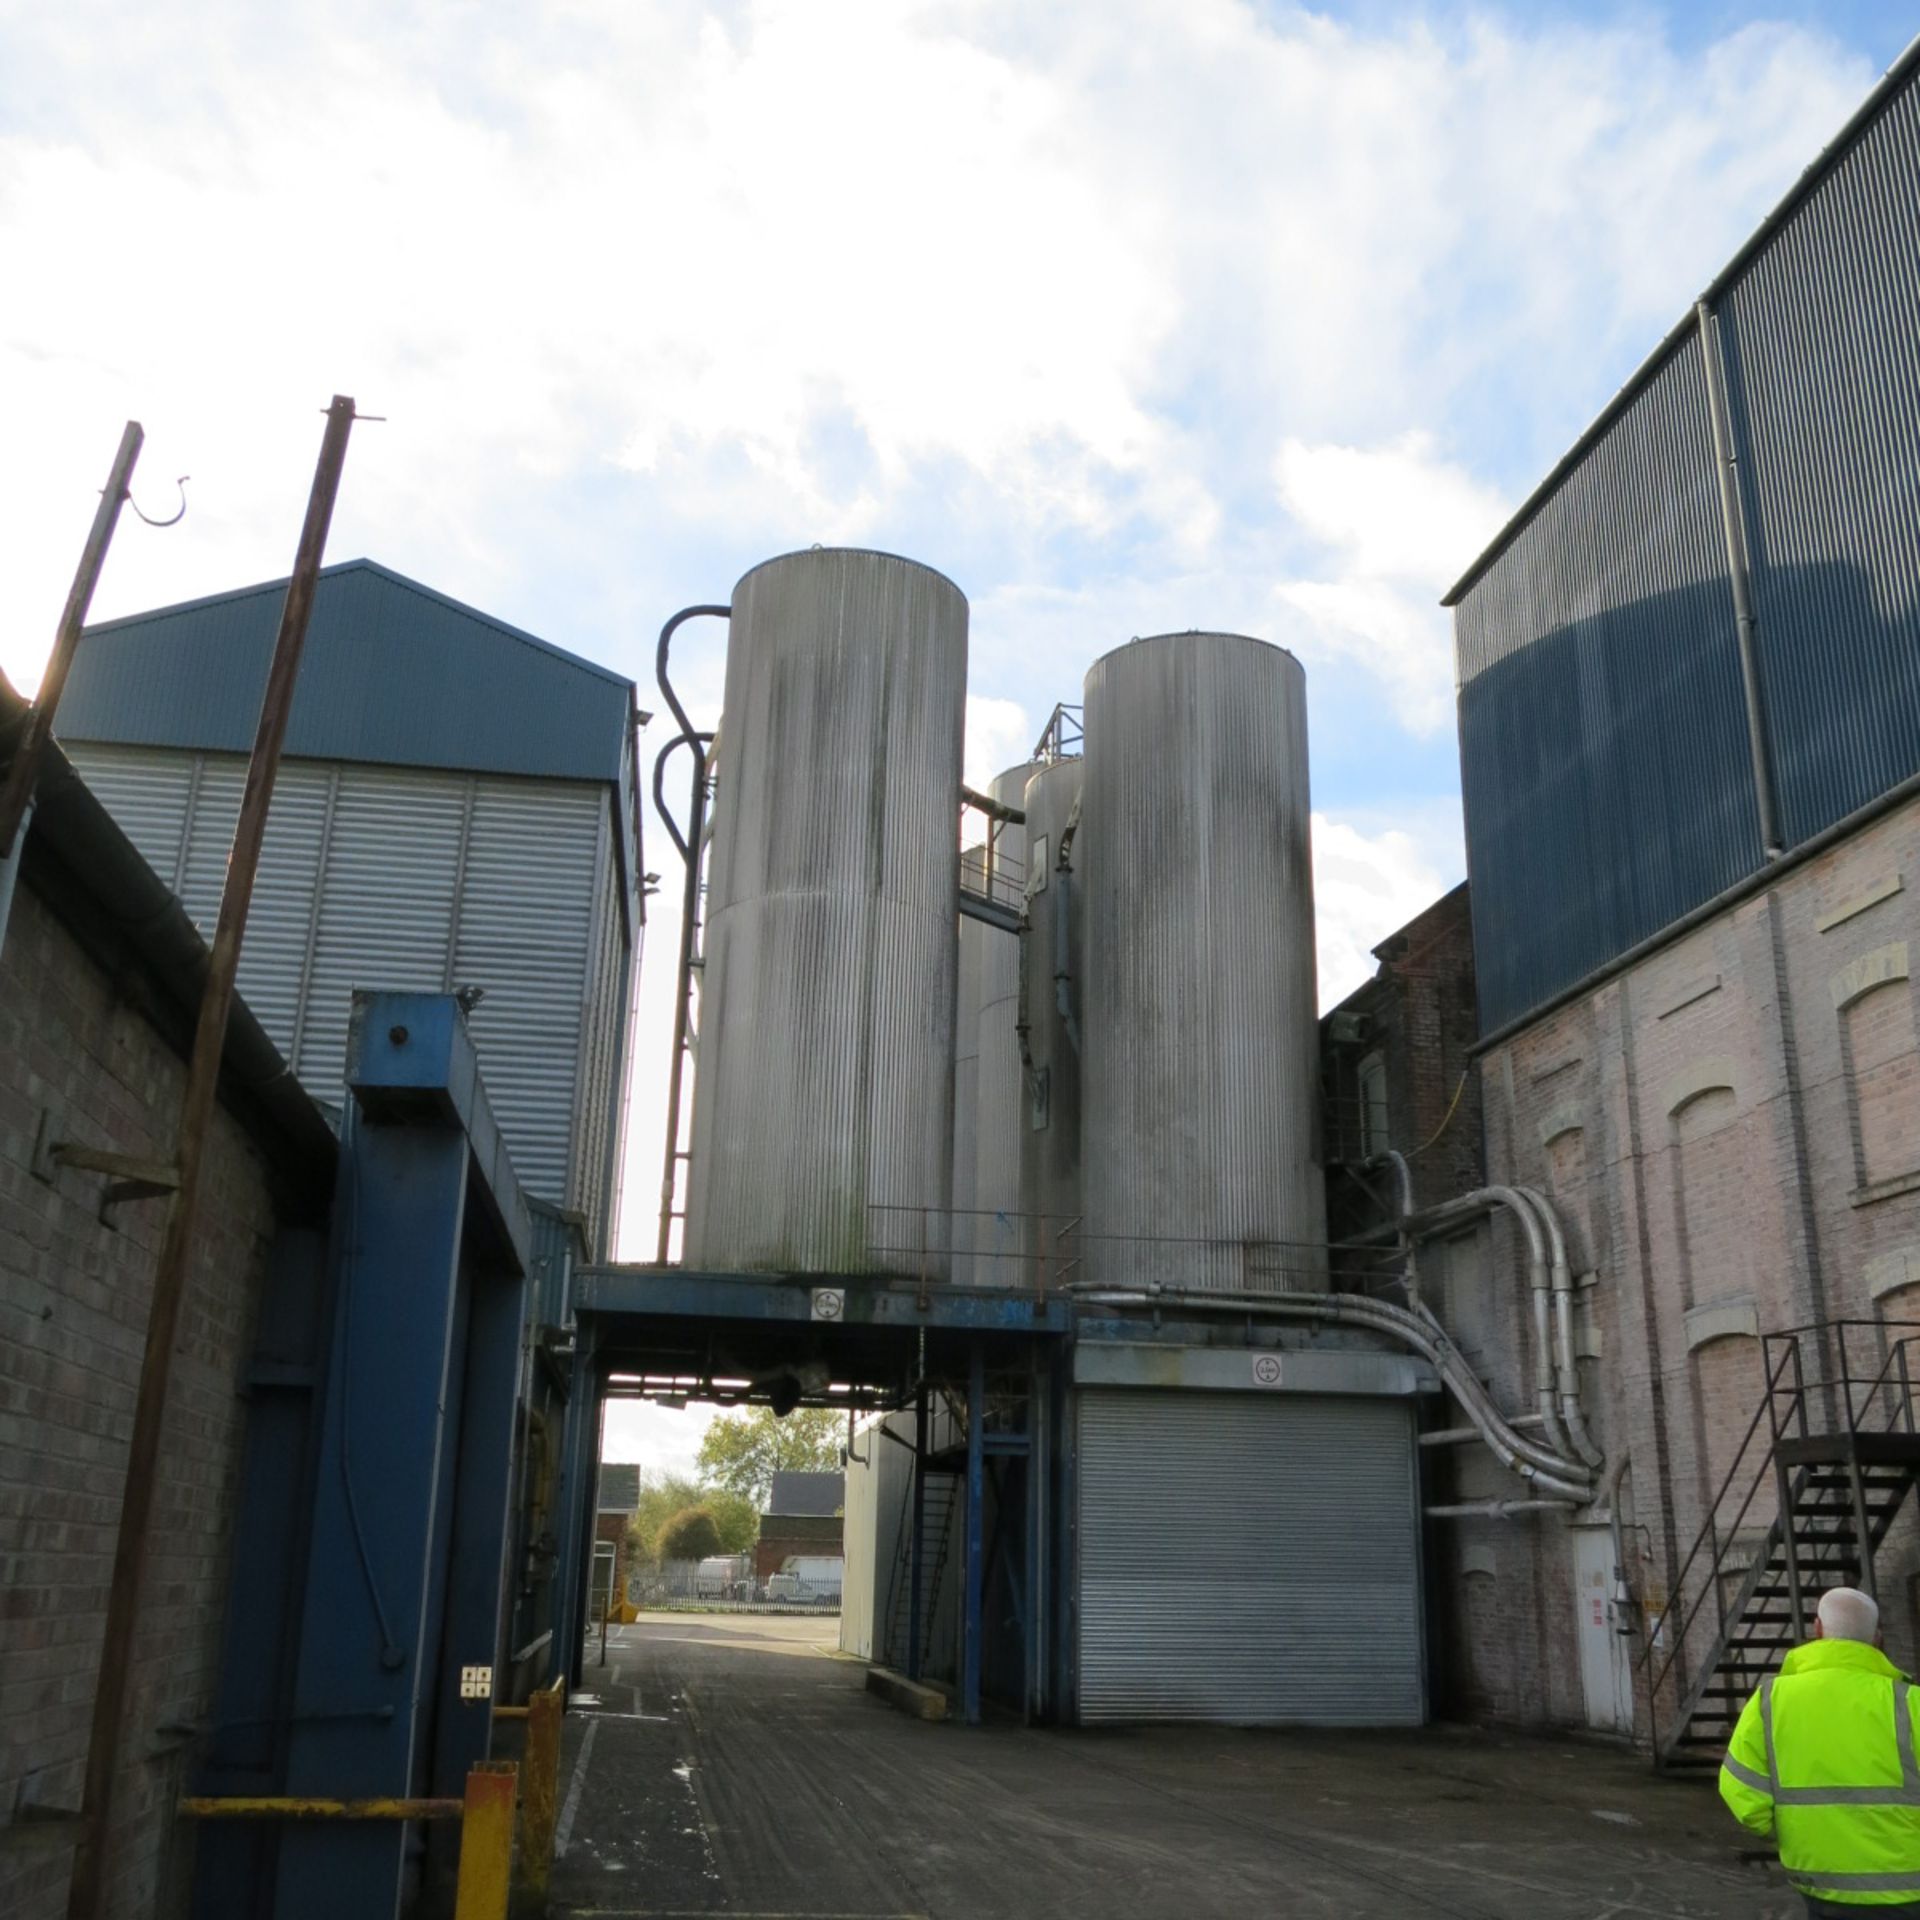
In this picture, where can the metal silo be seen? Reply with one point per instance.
(823, 1115)
(1201, 1064)
(1054, 994)
(1000, 1109)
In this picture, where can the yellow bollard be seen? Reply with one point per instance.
(486, 1842)
(540, 1794)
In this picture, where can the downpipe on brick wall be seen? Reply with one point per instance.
(1553, 1474)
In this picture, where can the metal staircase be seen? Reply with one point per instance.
(942, 1497)
(1838, 1444)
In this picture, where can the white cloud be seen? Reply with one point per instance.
(785, 267)
(1399, 523)
(999, 736)
(1368, 882)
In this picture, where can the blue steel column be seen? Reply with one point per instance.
(919, 1544)
(976, 1504)
(577, 1501)
(483, 1475)
(1039, 1465)
(365, 1678)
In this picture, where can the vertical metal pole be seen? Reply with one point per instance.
(1783, 1486)
(1039, 1465)
(87, 1888)
(915, 1566)
(16, 793)
(1736, 539)
(683, 992)
(976, 1505)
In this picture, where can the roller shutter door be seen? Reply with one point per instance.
(1249, 1558)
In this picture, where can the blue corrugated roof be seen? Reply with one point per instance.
(393, 672)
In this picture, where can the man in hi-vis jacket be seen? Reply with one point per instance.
(1822, 1763)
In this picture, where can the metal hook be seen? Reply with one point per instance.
(181, 484)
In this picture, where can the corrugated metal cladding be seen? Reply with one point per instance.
(1608, 785)
(1000, 1117)
(1603, 741)
(1249, 1558)
(823, 1101)
(397, 878)
(1822, 339)
(1201, 1067)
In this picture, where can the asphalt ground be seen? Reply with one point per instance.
(737, 1765)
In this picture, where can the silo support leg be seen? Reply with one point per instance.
(975, 1559)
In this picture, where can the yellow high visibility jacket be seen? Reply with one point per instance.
(1822, 1760)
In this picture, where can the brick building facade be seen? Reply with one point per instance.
(97, 988)
(1730, 1132)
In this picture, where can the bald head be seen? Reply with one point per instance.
(1848, 1614)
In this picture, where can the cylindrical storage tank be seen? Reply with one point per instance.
(1053, 986)
(823, 1097)
(1000, 1113)
(1201, 1066)
(973, 937)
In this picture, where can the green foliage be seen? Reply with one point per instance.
(741, 1452)
(736, 1521)
(691, 1534)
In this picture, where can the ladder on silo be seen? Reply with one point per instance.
(693, 851)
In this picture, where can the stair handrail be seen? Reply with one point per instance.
(1710, 1533)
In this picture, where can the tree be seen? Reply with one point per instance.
(741, 1452)
(691, 1534)
(737, 1520)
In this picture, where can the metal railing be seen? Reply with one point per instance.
(1062, 737)
(1836, 1399)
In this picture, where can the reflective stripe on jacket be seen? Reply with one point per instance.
(1823, 1760)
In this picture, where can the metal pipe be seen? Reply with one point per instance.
(1497, 1509)
(660, 652)
(1727, 470)
(87, 1888)
(1621, 1599)
(1461, 1436)
(1403, 1178)
(1567, 1366)
(16, 791)
(1548, 1472)
(10, 869)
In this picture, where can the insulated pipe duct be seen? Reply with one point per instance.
(1494, 1509)
(1563, 1479)
(1567, 1365)
(1540, 1282)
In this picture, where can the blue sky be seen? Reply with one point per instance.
(1127, 316)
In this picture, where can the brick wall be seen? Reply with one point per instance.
(73, 1309)
(1732, 1130)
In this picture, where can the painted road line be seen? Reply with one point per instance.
(563, 1833)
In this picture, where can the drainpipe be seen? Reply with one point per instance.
(1566, 1366)
(10, 869)
(1621, 1599)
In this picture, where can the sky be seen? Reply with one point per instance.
(1128, 315)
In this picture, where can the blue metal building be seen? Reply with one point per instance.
(457, 809)
(1697, 645)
